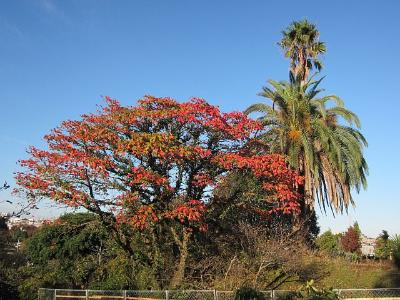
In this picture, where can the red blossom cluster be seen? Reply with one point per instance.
(351, 241)
(155, 161)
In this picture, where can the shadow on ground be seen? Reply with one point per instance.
(7, 292)
(390, 280)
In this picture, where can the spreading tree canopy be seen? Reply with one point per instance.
(154, 164)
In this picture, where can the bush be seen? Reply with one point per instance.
(247, 293)
(310, 292)
(395, 245)
(328, 243)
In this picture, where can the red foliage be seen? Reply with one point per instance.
(159, 160)
(351, 241)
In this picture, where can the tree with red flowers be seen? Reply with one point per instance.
(154, 165)
(351, 240)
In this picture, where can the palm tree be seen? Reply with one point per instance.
(308, 128)
(300, 43)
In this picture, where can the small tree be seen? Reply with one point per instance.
(329, 243)
(382, 249)
(351, 241)
(357, 229)
(395, 248)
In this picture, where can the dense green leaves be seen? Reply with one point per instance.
(247, 293)
(75, 235)
(383, 249)
(76, 251)
(320, 138)
(329, 243)
(395, 248)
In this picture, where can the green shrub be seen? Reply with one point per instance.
(329, 243)
(247, 293)
(310, 292)
(289, 295)
(395, 245)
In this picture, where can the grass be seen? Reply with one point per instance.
(366, 274)
(340, 273)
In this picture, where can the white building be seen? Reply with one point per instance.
(18, 221)
(368, 246)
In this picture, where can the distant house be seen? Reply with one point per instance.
(18, 221)
(368, 246)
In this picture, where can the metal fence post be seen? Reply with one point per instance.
(87, 294)
(166, 295)
(215, 294)
(124, 294)
(273, 294)
(55, 294)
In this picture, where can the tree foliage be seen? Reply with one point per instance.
(153, 168)
(10, 260)
(75, 251)
(395, 249)
(301, 44)
(128, 159)
(382, 249)
(306, 126)
(351, 241)
(329, 243)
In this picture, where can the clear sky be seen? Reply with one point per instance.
(58, 58)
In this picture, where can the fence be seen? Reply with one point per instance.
(369, 293)
(61, 294)
(347, 294)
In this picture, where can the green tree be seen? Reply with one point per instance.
(329, 243)
(238, 200)
(22, 232)
(10, 260)
(357, 228)
(76, 251)
(301, 44)
(395, 248)
(382, 249)
(72, 252)
(319, 136)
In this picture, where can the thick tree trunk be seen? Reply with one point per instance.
(183, 244)
(308, 192)
(158, 265)
(305, 223)
(302, 221)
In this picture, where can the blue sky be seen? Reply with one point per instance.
(58, 58)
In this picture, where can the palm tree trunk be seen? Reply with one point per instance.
(307, 199)
(302, 67)
(308, 187)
